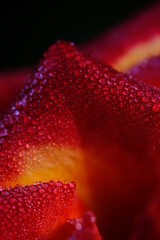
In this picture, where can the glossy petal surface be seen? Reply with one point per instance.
(147, 227)
(147, 71)
(130, 43)
(79, 229)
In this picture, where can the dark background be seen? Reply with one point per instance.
(28, 28)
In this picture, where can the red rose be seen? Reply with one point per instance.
(84, 137)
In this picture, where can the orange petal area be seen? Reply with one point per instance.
(34, 212)
(78, 229)
(147, 71)
(10, 85)
(138, 53)
(130, 43)
(58, 163)
(81, 121)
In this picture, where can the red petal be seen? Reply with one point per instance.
(147, 71)
(79, 229)
(129, 43)
(79, 120)
(34, 212)
(10, 85)
(148, 224)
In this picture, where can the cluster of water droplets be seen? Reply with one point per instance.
(25, 210)
(68, 96)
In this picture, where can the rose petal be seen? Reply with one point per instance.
(148, 224)
(147, 71)
(35, 211)
(129, 43)
(79, 120)
(79, 229)
(10, 85)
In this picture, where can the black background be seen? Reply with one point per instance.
(28, 28)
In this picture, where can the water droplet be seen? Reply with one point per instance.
(156, 107)
(78, 72)
(102, 81)
(78, 226)
(39, 75)
(30, 129)
(16, 113)
(3, 132)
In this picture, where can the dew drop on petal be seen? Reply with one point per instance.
(156, 107)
